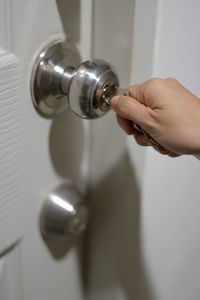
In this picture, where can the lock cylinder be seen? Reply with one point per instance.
(87, 90)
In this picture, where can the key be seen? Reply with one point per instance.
(120, 91)
(109, 92)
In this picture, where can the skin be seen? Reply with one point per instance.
(168, 113)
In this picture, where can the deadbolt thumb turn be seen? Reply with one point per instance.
(59, 79)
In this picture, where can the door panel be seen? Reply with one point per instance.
(47, 270)
(11, 140)
(53, 272)
(11, 274)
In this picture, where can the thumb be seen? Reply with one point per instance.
(129, 108)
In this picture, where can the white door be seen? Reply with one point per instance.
(36, 153)
(143, 237)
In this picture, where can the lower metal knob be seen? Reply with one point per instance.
(64, 214)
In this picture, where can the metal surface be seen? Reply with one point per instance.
(87, 86)
(119, 91)
(51, 76)
(58, 79)
(112, 90)
(64, 213)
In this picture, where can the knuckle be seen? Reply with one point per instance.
(171, 79)
(149, 126)
(150, 122)
(154, 82)
(153, 85)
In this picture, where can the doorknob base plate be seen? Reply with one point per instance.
(53, 65)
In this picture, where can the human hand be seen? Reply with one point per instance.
(168, 113)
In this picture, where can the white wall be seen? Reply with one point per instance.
(169, 226)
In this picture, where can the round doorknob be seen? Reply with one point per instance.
(59, 79)
(64, 213)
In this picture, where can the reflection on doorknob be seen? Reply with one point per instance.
(58, 80)
(64, 214)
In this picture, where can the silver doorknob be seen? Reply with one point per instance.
(58, 80)
(64, 213)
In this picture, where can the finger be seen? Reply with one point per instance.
(129, 108)
(146, 92)
(164, 151)
(171, 154)
(125, 124)
(161, 150)
(140, 91)
(137, 91)
(140, 139)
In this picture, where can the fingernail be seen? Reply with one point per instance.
(114, 101)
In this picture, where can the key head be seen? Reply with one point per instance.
(89, 88)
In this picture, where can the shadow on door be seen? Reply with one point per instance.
(114, 253)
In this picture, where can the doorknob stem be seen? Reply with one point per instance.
(66, 79)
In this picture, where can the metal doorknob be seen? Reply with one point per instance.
(59, 79)
(64, 214)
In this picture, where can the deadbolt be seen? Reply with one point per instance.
(64, 214)
(59, 79)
